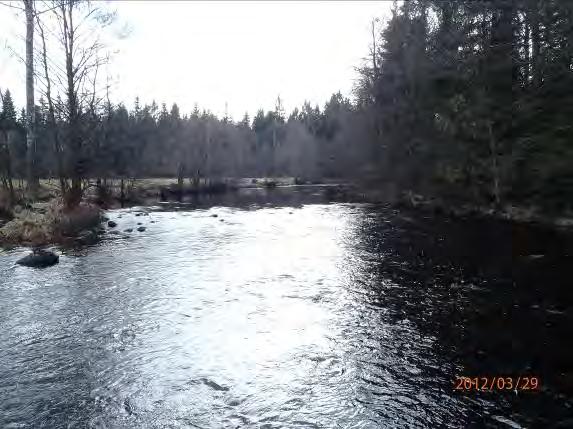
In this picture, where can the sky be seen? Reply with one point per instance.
(236, 54)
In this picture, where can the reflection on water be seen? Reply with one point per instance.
(295, 316)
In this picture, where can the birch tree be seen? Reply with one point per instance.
(31, 176)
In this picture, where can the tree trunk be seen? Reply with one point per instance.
(7, 166)
(533, 18)
(122, 193)
(52, 116)
(75, 143)
(33, 182)
(180, 176)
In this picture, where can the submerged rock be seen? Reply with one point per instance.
(129, 230)
(214, 215)
(112, 224)
(141, 229)
(39, 259)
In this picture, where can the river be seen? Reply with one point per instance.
(292, 313)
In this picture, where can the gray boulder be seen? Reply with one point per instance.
(141, 229)
(39, 259)
(112, 224)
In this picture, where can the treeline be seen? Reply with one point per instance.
(473, 100)
(153, 141)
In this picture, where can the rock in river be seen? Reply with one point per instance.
(141, 229)
(111, 224)
(39, 259)
(129, 230)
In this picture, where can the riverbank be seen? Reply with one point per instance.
(444, 207)
(47, 221)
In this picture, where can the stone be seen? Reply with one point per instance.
(111, 224)
(39, 259)
(141, 229)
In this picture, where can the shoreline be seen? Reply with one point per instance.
(519, 215)
(46, 223)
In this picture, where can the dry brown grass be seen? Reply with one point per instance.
(49, 223)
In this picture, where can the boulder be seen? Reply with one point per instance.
(141, 229)
(214, 215)
(39, 259)
(137, 214)
(111, 224)
(129, 230)
(139, 223)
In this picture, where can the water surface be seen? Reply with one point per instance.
(292, 315)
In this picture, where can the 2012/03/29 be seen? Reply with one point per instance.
(493, 383)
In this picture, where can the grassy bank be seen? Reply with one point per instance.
(45, 223)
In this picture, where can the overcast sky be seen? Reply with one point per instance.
(211, 53)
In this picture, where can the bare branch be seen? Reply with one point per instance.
(12, 6)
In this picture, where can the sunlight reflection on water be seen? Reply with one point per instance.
(270, 317)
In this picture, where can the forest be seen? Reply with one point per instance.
(468, 101)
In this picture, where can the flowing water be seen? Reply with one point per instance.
(298, 314)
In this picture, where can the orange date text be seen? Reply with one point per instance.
(496, 383)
